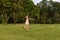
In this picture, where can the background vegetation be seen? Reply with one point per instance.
(14, 11)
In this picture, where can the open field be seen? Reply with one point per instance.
(35, 32)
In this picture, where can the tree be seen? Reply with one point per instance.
(16, 10)
(56, 6)
(49, 11)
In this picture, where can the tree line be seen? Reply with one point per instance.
(49, 12)
(14, 11)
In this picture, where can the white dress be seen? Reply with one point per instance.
(27, 22)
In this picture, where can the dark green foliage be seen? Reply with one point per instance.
(49, 12)
(14, 11)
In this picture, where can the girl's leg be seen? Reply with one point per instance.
(26, 27)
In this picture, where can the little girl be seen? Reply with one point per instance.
(26, 23)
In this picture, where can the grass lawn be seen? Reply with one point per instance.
(35, 32)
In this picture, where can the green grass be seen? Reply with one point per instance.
(35, 32)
